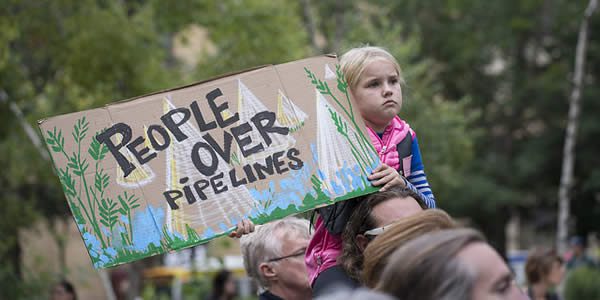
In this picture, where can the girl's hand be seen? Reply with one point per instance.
(244, 227)
(386, 176)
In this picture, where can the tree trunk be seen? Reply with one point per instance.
(309, 23)
(340, 28)
(566, 177)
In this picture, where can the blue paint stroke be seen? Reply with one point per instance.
(315, 153)
(110, 251)
(208, 233)
(357, 179)
(93, 244)
(105, 231)
(145, 231)
(223, 227)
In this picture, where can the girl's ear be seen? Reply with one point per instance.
(362, 241)
(267, 271)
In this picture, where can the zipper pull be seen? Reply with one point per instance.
(383, 150)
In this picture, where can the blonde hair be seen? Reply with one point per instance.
(355, 60)
(428, 267)
(377, 253)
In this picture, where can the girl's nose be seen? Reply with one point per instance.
(387, 90)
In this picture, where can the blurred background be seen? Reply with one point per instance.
(488, 89)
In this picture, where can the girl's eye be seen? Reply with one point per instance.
(394, 80)
(373, 84)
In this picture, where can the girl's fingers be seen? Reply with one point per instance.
(379, 168)
(396, 181)
(384, 171)
(384, 180)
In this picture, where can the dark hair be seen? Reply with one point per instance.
(219, 282)
(539, 264)
(360, 221)
(69, 288)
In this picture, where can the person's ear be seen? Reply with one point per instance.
(362, 241)
(267, 271)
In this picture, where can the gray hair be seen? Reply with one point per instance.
(428, 268)
(265, 243)
(356, 294)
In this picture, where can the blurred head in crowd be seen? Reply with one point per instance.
(369, 219)
(577, 245)
(377, 253)
(63, 290)
(448, 265)
(224, 286)
(545, 268)
(274, 257)
(356, 294)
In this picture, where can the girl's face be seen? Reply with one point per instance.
(377, 94)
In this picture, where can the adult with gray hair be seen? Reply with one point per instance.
(448, 265)
(274, 258)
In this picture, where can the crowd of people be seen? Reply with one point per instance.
(392, 244)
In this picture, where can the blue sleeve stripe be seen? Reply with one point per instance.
(423, 188)
(417, 178)
(427, 196)
(418, 183)
(415, 173)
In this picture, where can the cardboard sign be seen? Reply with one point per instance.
(177, 168)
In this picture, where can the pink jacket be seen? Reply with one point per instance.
(324, 247)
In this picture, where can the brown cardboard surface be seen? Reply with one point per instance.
(176, 168)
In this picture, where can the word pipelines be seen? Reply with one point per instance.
(263, 122)
(251, 173)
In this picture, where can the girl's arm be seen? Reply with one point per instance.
(417, 180)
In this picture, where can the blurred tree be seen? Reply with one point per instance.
(67, 55)
(59, 57)
(513, 60)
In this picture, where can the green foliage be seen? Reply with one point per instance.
(340, 125)
(56, 141)
(271, 33)
(128, 203)
(108, 212)
(583, 283)
(97, 151)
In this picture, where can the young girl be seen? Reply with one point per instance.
(374, 78)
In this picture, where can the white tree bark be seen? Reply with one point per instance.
(566, 177)
(310, 24)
